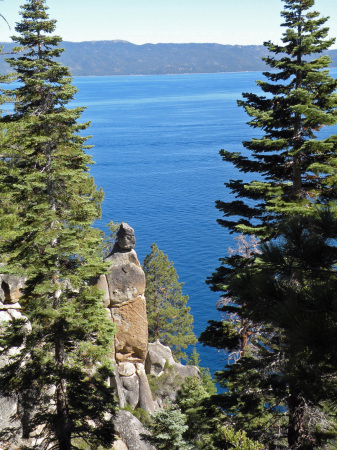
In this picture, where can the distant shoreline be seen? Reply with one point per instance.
(174, 74)
(122, 58)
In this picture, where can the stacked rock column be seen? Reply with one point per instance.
(124, 287)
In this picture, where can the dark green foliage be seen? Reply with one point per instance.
(202, 418)
(206, 422)
(276, 314)
(293, 167)
(169, 318)
(48, 203)
(277, 389)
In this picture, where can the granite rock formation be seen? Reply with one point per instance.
(124, 287)
(135, 359)
(10, 288)
(130, 430)
(168, 374)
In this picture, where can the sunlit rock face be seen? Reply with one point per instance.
(124, 287)
(10, 288)
(170, 375)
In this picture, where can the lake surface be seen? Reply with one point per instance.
(156, 147)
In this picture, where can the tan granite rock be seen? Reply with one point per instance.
(10, 288)
(125, 279)
(132, 331)
(102, 284)
(124, 288)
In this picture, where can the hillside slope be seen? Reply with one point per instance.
(100, 58)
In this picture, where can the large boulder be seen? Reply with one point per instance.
(187, 371)
(145, 394)
(129, 429)
(124, 287)
(10, 288)
(126, 237)
(132, 332)
(158, 357)
(167, 374)
(131, 390)
(125, 279)
(8, 410)
(120, 445)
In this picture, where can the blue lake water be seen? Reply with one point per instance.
(156, 148)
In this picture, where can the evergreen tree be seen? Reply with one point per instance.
(295, 171)
(293, 167)
(206, 422)
(49, 202)
(169, 318)
(207, 381)
(278, 388)
(202, 419)
(167, 429)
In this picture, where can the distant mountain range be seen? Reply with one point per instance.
(99, 58)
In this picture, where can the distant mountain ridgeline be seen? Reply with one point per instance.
(99, 58)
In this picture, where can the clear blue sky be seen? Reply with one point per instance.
(142, 21)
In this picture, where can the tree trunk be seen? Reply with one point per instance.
(62, 426)
(244, 334)
(297, 172)
(297, 438)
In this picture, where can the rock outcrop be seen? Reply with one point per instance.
(167, 374)
(130, 430)
(124, 287)
(135, 359)
(10, 288)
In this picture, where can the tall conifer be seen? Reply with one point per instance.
(293, 167)
(279, 386)
(49, 203)
(295, 172)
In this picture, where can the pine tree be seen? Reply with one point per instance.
(293, 167)
(206, 378)
(49, 202)
(167, 429)
(207, 428)
(295, 174)
(169, 318)
(278, 388)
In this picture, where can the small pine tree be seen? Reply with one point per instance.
(167, 429)
(48, 204)
(206, 377)
(169, 318)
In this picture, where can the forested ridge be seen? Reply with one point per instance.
(63, 358)
(103, 58)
